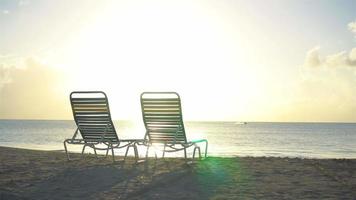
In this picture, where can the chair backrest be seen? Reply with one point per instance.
(92, 115)
(162, 116)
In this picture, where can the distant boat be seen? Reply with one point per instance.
(240, 123)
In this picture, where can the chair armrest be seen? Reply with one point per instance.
(197, 141)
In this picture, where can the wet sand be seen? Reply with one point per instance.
(30, 174)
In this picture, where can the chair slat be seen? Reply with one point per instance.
(74, 99)
(88, 102)
(175, 99)
(91, 113)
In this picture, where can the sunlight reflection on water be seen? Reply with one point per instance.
(312, 140)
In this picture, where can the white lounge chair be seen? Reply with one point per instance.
(92, 116)
(162, 116)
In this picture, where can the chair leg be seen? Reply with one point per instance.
(107, 152)
(185, 153)
(136, 152)
(195, 148)
(96, 155)
(164, 150)
(65, 148)
(206, 148)
(83, 150)
(148, 148)
(127, 150)
(199, 153)
(112, 152)
(194, 152)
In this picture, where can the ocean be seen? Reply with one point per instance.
(226, 139)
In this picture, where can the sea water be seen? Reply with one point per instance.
(305, 140)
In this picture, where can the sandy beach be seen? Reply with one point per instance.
(31, 174)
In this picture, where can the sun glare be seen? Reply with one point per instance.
(125, 53)
(163, 46)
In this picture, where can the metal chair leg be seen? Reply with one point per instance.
(65, 148)
(148, 148)
(107, 152)
(83, 150)
(195, 148)
(206, 148)
(127, 150)
(96, 155)
(136, 152)
(199, 153)
(164, 150)
(112, 152)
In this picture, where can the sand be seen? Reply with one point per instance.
(30, 174)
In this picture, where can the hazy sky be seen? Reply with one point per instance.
(229, 60)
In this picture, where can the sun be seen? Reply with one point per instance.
(153, 48)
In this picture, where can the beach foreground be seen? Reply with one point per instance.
(30, 174)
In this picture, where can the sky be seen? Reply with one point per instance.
(272, 60)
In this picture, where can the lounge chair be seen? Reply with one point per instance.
(162, 116)
(92, 116)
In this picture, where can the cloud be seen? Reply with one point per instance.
(6, 63)
(4, 75)
(24, 3)
(312, 58)
(352, 27)
(340, 59)
(352, 55)
(5, 12)
(326, 91)
(32, 91)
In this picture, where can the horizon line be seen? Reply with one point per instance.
(214, 121)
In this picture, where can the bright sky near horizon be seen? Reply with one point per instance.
(253, 60)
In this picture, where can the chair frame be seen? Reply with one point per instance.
(172, 146)
(110, 145)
